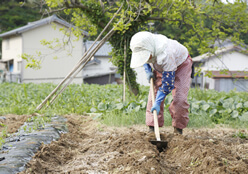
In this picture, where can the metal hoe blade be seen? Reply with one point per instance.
(161, 145)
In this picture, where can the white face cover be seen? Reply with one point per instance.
(143, 44)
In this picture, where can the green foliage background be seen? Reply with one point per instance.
(207, 107)
(13, 15)
(196, 24)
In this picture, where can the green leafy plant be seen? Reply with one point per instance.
(241, 134)
(3, 134)
(207, 107)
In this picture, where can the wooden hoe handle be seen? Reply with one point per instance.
(155, 115)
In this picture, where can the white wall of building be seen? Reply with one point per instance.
(12, 49)
(52, 70)
(209, 81)
(98, 69)
(234, 61)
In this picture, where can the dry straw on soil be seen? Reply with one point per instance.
(91, 147)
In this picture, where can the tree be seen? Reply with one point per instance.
(196, 24)
(16, 13)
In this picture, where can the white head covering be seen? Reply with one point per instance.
(143, 44)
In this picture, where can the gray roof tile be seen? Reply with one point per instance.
(35, 24)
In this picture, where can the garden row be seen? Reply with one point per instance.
(107, 100)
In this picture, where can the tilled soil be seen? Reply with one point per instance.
(90, 147)
(12, 122)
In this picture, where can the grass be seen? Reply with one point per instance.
(3, 134)
(241, 134)
(107, 100)
(118, 118)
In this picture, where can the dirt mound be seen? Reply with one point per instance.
(203, 154)
(12, 122)
(90, 147)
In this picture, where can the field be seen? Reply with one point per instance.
(109, 136)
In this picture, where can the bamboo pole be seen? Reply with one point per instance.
(85, 58)
(124, 73)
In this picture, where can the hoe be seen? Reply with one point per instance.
(161, 145)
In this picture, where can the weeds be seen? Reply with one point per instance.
(3, 134)
(194, 162)
(241, 134)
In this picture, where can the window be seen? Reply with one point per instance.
(10, 65)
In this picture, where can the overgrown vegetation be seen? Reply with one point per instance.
(207, 107)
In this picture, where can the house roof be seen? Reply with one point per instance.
(103, 51)
(35, 24)
(95, 61)
(227, 48)
(230, 74)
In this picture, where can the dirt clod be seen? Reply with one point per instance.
(90, 147)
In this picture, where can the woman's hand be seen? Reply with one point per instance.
(155, 107)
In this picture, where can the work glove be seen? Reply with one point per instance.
(168, 80)
(149, 73)
(155, 107)
(159, 98)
